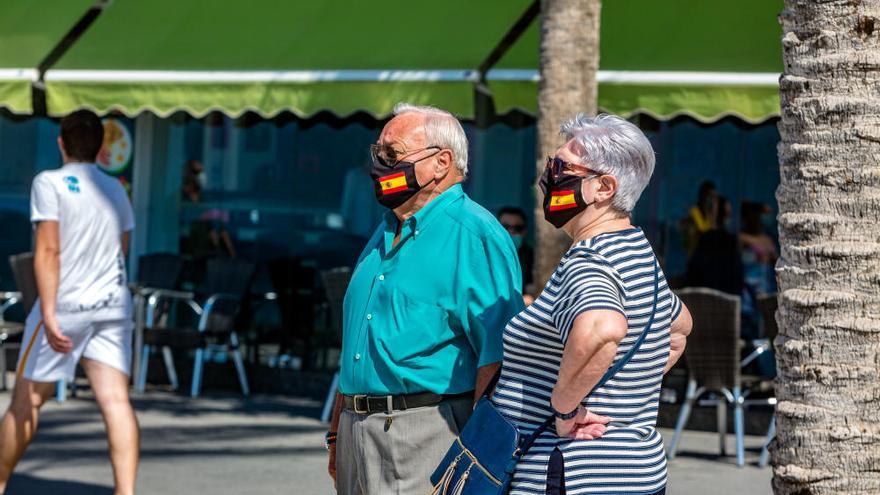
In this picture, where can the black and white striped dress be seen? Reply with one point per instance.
(610, 271)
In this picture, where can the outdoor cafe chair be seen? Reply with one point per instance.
(11, 332)
(767, 306)
(156, 271)
(714, 366)
(216, 305)
(294, 287)
(22, 266)
(335, 283)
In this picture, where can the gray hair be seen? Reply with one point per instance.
(441, 129)
(614, 146)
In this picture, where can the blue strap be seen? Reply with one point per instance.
(529, 440)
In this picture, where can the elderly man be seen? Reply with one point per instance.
(423, 314)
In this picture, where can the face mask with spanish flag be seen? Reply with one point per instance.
(563, 199)
(395, 185)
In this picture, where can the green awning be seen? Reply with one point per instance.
(681, 57)
(269, 56)
(705, 59)
(28, 32)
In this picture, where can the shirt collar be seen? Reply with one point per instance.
(429, 212)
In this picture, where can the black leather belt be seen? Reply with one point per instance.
(371, 404)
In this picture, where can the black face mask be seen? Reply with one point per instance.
(395, 185)
(562, 197)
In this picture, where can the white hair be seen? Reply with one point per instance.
(441, 129)
(613, 146)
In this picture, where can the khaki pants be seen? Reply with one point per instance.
(388, 454)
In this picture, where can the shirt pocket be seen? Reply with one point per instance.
(416, 328)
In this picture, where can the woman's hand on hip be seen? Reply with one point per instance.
(585, 425)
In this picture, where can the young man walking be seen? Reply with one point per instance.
(82, 220)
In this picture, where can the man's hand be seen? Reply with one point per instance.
(57, 340)
(584, 426)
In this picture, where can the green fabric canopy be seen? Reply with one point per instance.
(705, 59)
(270, 55)
(28, 32)
(693, 57)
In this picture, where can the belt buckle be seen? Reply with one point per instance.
(366, 409)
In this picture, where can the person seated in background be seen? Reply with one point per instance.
(516, 223)
(758, 254)
(208, 234)
(716, 261)
(701, 217)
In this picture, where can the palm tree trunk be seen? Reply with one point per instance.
(828, 349)
(569, 61)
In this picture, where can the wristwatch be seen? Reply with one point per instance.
(329, 439)
(565, 416)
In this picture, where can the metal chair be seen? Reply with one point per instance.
(767, 306)
(335, 283)
(157, 271)
(11, 332)
(216, 304)
(713, 362)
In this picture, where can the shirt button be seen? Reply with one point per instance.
(370, 316)
(381, 277)
(357, 357)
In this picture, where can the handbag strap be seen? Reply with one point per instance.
(529, 440)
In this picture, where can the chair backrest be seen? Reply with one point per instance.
(160, 270)
(335, 284)
(712, 354)
(25, 278)
(228, 276)
(294, 286)
(767, 306)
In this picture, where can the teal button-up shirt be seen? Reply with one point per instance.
(423, 315)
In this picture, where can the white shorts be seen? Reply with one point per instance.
(94, 336)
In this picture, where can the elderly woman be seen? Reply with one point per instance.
(591, 312)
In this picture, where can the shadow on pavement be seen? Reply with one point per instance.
(23, 484)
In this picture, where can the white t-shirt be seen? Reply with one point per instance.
(93, 211)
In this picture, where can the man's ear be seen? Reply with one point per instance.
(442, 163)
(61, 148)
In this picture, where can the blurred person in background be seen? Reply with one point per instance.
(716, 262)
(208, 233)
(701, 217)
(516, 224)
(759, 254)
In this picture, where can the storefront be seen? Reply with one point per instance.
(279, 102)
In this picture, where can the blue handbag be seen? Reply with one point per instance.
(483, 458)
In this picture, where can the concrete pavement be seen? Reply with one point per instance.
(265, 445)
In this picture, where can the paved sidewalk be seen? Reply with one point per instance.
(265, 445)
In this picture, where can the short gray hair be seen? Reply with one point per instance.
(441, 129)
(614, 146)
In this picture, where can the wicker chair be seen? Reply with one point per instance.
(713, 362)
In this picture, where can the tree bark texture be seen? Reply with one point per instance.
(828, 349)
(569, 61)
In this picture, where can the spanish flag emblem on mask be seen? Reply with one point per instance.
(393, 183)
(562, 200)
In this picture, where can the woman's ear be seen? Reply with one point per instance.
(607, 186)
